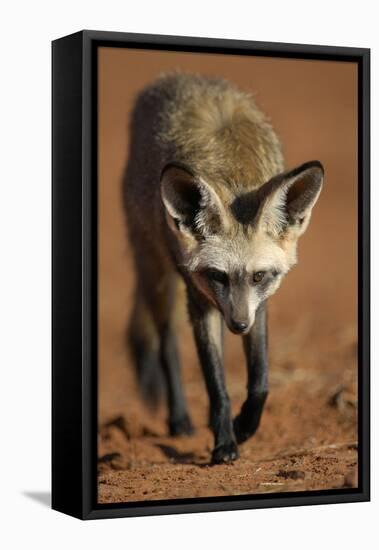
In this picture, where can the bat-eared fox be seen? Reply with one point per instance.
(208, 202)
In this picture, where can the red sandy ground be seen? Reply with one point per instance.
(307, 439)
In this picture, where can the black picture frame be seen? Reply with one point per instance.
(74, 273)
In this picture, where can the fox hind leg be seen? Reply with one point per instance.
(144, 347)
(165, 308)
(179, 421)
(153, 344)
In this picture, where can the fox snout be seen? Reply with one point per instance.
(239, 322)
(238, 327)
(239, 307)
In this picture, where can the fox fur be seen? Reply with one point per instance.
(208, 202)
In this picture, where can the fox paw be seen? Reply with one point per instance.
(181, 426)
(224, 454)
(243, 430)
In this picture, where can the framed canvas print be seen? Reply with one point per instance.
(210, 274)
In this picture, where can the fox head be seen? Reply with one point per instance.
(236, 250)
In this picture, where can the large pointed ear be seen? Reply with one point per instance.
(190, 203)
(287, 199)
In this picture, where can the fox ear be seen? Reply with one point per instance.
(287, 199)
(191, 203)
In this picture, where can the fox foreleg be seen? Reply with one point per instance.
(255, 347)
(208, 331)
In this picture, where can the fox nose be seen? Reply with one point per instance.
(238, 326)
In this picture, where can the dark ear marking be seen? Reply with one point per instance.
(288, 198)
(191, 202)
(180, 194)
(304, 186)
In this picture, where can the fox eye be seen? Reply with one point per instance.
(218, 276)
(258, 276)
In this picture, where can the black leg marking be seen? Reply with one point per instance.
(208, 332)
(143, 343)
(179, 421)
(148, 370)
(161, 302)
(255, 347)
